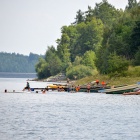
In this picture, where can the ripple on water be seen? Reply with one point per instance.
(58, 116)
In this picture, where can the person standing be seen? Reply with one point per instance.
(72, 88)
(88, 88)
(78, 87)
(103, 84)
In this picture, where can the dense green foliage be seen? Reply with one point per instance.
(103, 39)
(117, 65)
(11, 62)
(78, 72)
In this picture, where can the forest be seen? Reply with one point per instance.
(12, 62)
(102, 40)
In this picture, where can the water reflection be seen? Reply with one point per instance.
(58, 116)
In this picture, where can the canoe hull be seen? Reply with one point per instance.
(131, 93)
(120, 90)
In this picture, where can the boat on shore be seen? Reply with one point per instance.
(132, 93)
(55, 86)
(120, 90)
(58, 87)
(71, 87)
(93, 89)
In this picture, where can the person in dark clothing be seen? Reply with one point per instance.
(27, 87)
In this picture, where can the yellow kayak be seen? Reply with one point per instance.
(54, 86)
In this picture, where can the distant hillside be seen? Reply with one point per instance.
(12, 62)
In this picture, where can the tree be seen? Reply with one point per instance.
(117, 64)
(12, 62)
(90, 36)
(106, 12)
(79, 17)
(131, 4)
(135, 39)
(63, 47)
(42, 69)
(137, 58)
(102, 60)
(102, 30)
(54, 62)
(51, 50)
(89, 59)
(89, 14)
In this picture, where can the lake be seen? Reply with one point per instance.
(66, 116)
(17, 75)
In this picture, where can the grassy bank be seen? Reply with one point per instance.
(133, 76)
(110, 81)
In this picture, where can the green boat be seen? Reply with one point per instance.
(93, 89)
(120, 90)
(85, 90)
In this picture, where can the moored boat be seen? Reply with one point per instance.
(56, 87)
(120, 90)
(132, 93)
(93, 89)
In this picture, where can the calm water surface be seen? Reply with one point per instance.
(66, 116)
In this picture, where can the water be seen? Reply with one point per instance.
(66, 116)
(17, 75)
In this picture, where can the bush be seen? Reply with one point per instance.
(134, 71)
(78, 72)
(117, 65)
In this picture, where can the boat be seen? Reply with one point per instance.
(56, 87)
(93, 89)
(121, 89)
(132, 93)
(50, 87)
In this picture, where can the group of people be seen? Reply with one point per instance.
(60, 89)
(103, 84)
(27, 87)
(72, 88)
(77, 88)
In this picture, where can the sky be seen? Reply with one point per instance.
(33, 25)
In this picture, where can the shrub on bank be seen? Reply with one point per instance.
(78, 72)
(133, 71)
